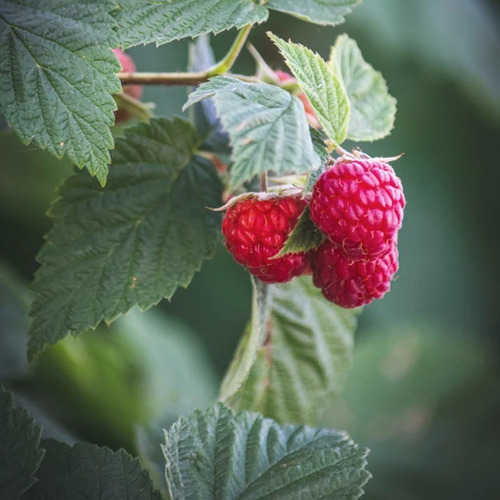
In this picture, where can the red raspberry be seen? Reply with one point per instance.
(352, 283)
(359, 205)
(134, 91)
(256, 230)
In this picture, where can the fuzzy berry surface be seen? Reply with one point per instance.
(352, 283)
(255, 230)
(359, 205)
(134, 91)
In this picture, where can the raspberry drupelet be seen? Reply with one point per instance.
(359, 205)
(255, 230)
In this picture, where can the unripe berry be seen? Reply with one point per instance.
(255, 230)
(134, 91)
(359, 205)
(352, 283)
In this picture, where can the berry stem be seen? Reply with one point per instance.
(138, 109)
(263, 182)
(194, 78)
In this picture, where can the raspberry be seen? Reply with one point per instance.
(359, 205)
(134, 91)
(352, 283)
(256, 229)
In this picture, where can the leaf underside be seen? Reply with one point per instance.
(57, 76)
(304, 359)
(222, 455)
(134, 242)
(267, 127)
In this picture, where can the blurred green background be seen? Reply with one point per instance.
(424, 391)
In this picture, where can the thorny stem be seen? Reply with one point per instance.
(194, 78)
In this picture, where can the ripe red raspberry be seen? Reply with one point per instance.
(359, 205)
(255, 230)
(134, 91)
(352, 283)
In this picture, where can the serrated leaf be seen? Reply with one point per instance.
(305, 358)
(322, 87)
(20, 455)
(373, 109)
(318, 139)
(161, 21)
(323, 12)
(304, 237)
(133, 243)
(89, 471)
(223, 455)
(251, 341)
(267, 127)
(57, 76)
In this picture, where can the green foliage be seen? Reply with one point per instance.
(373, 110)
(224, 455)
(20, 455)
(304, 237)
(267, 127)
(89, 471)
(250, 343)
(321, 86)
(57, 78)
(304, 357)
(330, 12)
(140, 21)
(133, 243)
(126, 375)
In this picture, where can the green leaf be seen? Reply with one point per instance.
(89, 471)
(134, 242)
(373, 109)
(161, 21)
(304, 237)
(20, 455)
(267, 127)
(57, 77)
(304, 359)
(251, 341)
(323, 12)
(322, 87)
(224, 455)
(318, 138)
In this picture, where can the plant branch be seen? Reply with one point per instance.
(191, 79)
(227, 62)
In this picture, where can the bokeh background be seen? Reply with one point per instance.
(424, 390)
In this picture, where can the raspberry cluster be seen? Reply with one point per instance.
(357, 204)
